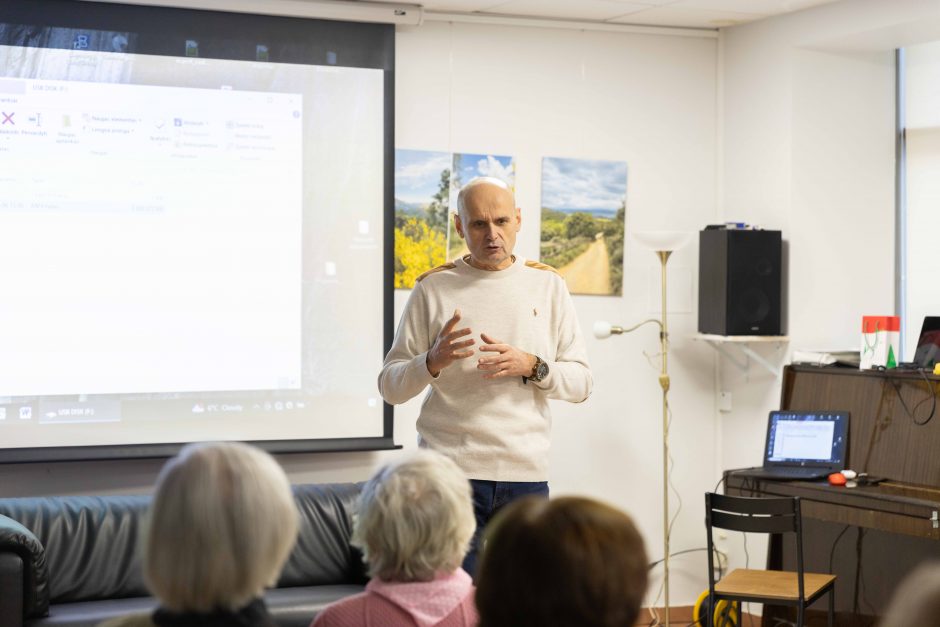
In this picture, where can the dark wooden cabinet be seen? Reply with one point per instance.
(871, 535)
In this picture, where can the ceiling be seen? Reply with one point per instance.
(675, 13)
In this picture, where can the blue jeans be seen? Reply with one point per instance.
(488, 498)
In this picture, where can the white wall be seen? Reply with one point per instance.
(923, 187)
(808, 148)
(649, 100)
(646, 100)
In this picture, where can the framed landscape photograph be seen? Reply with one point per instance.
(583, 211)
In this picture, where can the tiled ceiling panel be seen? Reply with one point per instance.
(593, 10)
(688, 17)
(679, 13)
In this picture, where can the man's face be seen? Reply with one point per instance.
(489, 223)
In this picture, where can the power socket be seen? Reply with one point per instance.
(724, 402)
(721, 551)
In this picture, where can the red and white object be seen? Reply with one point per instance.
(880, 341)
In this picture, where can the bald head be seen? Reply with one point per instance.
(486, 189)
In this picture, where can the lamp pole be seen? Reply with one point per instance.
(663, 243)
(664, 384)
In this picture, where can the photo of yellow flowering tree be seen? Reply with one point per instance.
(422, 200)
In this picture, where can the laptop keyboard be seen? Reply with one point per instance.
(785, 473)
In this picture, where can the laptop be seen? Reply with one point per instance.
(927, 352)
(802, 445)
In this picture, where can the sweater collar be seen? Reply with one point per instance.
(463, 264)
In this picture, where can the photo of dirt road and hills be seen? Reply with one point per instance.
(583, 207)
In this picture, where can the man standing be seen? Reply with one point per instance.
(487, 408)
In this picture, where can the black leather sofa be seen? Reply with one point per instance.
(75, 561)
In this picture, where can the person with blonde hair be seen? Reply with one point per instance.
(222, 523)
(568, 562)
(414, 525)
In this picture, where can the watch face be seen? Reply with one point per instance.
(541, 370)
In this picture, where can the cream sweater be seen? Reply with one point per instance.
(495, 429)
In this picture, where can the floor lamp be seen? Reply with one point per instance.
(663, 243)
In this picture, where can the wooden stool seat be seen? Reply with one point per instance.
(772, 584)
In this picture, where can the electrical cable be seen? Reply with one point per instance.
(717, 485)
(858, 571)
(864, 590)
(677, 553)
(832, 551)
(655, 620)
(896, 384)
(747, 563)
(747, 558)
(672, 464)
(721, 556)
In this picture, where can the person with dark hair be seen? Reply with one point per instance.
(916, 600)
(568, 562)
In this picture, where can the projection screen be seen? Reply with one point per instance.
(195, 230)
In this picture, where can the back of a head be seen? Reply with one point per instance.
(916, 601)
(415, 518)
(222, 524)
(570, 561)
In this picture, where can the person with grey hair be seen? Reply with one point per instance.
(414, 523)
(490, 414)
(222, 523)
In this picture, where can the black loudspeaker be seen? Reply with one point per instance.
(739, 287)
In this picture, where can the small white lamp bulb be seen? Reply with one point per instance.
(602, 329)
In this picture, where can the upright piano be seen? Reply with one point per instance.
(869, 536)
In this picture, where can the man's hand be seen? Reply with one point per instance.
(508, 361)
(445, 350)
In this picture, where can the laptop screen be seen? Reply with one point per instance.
(807, 438)
(928, 345)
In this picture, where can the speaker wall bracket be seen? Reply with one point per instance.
(742, 343)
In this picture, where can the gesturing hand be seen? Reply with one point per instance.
(445, 350)
(508, 361)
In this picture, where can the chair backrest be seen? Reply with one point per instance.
(753, 515)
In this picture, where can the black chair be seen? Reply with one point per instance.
(770, 587)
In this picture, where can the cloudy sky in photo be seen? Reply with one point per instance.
(579, 184)
(469, 166)
(418, 173)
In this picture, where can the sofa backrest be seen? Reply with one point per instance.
(323, 555)
(91, 544)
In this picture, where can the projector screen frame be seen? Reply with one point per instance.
(333, 35)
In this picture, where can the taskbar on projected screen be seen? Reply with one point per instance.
(92, 410)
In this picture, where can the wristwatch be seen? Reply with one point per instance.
(539, 371)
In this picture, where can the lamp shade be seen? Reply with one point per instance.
(663, 240)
